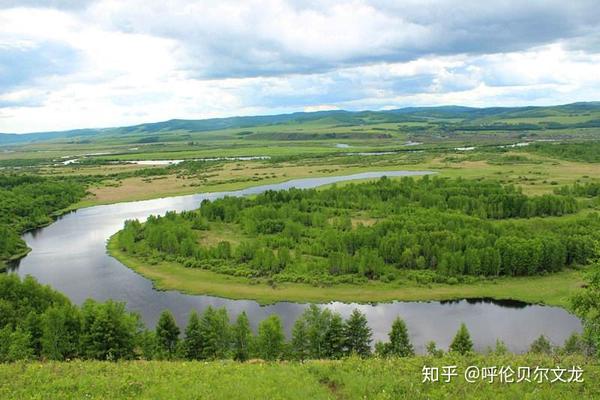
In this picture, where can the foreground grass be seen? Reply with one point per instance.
(347, 379)
(555, 289)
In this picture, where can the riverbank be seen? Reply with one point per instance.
(555, 289)
(349, 379)
(231, 179)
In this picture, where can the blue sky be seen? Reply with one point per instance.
(76, 64)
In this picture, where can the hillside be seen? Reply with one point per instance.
(309, 125)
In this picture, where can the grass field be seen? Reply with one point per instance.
(347, 379)
(555, 289)
(538, 175)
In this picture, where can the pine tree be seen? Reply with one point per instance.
(242, 338)
(216, 332)
(462, 343)
(399, 344)
(432, 349)
(300, 343)
(574, 345)
(270, 338)
(541, 345)
(317, 323)
(381, 349)
(193, 341)
(357, 334)
(334, 337)
(167, 333)
(147, 345)
(500, 348)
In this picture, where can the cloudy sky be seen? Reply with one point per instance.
(73, 64)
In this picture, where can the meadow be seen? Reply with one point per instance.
(346, 379)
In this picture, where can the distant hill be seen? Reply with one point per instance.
(469, 118)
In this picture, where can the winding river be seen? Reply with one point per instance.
(70, 255)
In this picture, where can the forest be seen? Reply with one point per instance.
(37, 322)
(446, 229)
(30, 201)
(585, 151)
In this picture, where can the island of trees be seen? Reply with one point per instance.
(439, 229)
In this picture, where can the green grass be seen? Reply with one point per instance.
(347, 379)
(540, 176)
(555, 289)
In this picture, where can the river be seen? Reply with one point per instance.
(70, 255)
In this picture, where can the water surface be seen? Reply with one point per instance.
(71, 256)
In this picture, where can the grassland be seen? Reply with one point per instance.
(535, 174)
(226, 177)
(306, 145)
(555, 289)
(346, 379)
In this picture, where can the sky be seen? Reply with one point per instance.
(89, 64)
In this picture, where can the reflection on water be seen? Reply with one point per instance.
(71, 256)
(507, 303)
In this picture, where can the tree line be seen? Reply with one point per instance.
(587, 189)
(450, 227)
(37, 322)
(586, 151)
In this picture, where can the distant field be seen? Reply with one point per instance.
(535, 174)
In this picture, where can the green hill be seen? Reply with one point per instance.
(294, 126)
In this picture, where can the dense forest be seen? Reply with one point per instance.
(27, 202)
(588, 151)
(37, 322)
(445, 228)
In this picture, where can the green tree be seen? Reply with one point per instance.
(147, 345)
(300, 343)
(216, 331)
(270, 340)
(317, 323)
(586, 304)
(499, 348)
(432, 350)
(574, 345)
(193, 340)
(167, 333)
(462, 343)
(108, 331)
(541, 345)
(399, 344)
(242, 338)
(335, 337)
(15, 345)
(61, 328)
(358, 335)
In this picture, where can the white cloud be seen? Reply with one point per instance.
(111, 63)
(320, 107)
